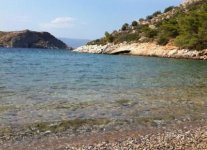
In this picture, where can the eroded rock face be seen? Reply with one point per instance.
(144, 49)
(30, 39)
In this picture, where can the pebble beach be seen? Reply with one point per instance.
(188, 136)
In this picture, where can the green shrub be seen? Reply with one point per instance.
(127, 38)
(148, 32)
(169, 8)
(156, 13)
(101, 41)
(186, 41)
(192, 29)
(141, 19)
(167, 30)
(134, 23)
(109, 37)
(125, 27)
(149, 17)
(162, 40)
(153, 15)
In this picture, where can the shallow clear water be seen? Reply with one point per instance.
(52, 85)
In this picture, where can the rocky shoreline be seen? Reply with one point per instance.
(144, 49)
(185, 136)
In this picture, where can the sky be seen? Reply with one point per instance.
(80, 19)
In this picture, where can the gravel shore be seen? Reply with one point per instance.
(195, 139)
(188, 136)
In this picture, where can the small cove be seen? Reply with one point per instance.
(41, 89)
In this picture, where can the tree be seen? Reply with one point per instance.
(148, 32)
(109, 37)
(162, 40)
(192, 29)
(169, 8)
(168, 29)
(156, 13)
(129, 37)
(125, 27)
(141, 19)
(149, 17)
(134, 23)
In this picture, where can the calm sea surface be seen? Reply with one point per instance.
(52, 85)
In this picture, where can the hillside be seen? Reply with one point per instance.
(182, 26)
(30, 39)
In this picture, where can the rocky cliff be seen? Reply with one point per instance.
(30, 39)
(144, 49)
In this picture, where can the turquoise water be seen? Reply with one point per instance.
(51, 85)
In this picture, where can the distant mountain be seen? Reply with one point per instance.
(30, 39)
(75, 42)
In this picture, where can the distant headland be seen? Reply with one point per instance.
(30, 39)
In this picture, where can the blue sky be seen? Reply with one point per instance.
(85, 19)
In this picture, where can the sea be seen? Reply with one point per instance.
(39, 85)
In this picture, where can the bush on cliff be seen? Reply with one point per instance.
(168, 29)
(125, 27)
(149, 17)
(192, 29)
(148, 32)
(134, 23)
(169, 9)
(101, 41)
(156, 13)
(109, 38)
(127, 38)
